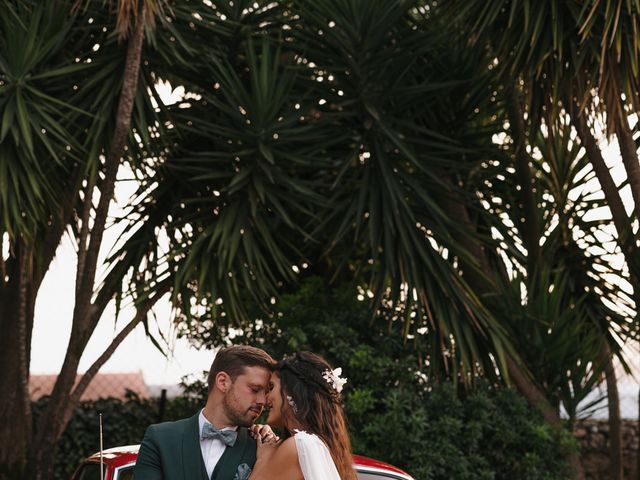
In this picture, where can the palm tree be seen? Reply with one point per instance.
(585, 64)
(579, 314)
(323, 149)
(58, 63)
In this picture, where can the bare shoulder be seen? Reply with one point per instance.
(287, 449)
(281, 464)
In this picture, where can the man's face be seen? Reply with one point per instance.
(244, 401)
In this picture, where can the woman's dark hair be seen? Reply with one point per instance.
(318, 406)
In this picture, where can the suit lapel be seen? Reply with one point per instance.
(232, 457)
(192, 463)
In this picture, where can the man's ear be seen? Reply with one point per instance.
(223, 382)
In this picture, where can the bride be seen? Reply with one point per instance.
(305, 400)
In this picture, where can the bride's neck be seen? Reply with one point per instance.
(293, 425)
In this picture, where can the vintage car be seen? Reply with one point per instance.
(118, 465)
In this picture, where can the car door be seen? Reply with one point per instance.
(90, 471)
(125, 472)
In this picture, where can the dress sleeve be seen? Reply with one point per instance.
(314, 458)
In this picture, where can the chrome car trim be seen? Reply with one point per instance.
(116, 471)
(382, 472)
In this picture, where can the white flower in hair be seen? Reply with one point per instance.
(333, 377)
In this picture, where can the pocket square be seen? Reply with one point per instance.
(243, 472)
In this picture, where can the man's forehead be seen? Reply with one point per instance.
(256, 373)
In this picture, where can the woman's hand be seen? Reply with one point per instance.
(267, 441)
(263, 434)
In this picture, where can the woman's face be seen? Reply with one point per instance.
(274, 403)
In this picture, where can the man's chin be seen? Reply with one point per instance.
(246, 422)
(249, 419)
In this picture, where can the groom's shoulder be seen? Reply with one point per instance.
(170, 427)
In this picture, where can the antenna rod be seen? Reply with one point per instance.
(101, 446)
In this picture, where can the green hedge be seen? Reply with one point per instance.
(489, 435)
(123, 423)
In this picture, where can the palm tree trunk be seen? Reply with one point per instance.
(25, 262)
(15, 410)
(530, 227)
(89, 375)
(18, 290)
(611, 193)
(629, 155)
(86, 315)
(615, 425)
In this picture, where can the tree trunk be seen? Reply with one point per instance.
(530, 227)
(86, 315)
(628, 151)
(14, 423)
(629, 156)
(92, 371)
(66, 411)
(21, 279)
(25, 263)
(621, 220)
(16, 324)
(615, 426)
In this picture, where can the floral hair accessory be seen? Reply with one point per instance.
(293, 405)
(333, 377)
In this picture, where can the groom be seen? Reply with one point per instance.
(215, 443)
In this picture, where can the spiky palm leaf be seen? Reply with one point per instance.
(273, 167)
(570, 307)
(37, 75)
(563, 49)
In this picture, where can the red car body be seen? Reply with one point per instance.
(118, 465)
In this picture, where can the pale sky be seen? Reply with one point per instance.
(52, 326)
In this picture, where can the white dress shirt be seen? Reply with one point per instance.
(211, 448)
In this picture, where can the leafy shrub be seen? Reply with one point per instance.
(124, 423)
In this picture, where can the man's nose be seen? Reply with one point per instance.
(262, 398)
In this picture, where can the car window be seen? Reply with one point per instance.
(89, 471)
(377, 476)
(125, 473)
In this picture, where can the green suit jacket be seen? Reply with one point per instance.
(171, 451)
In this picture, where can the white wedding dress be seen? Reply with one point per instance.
(314, 457)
